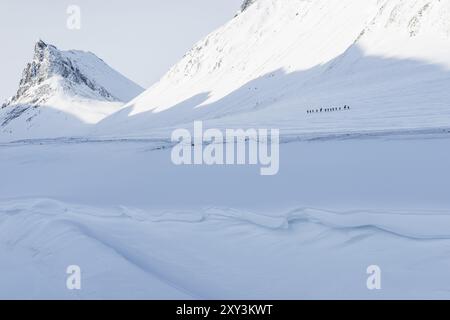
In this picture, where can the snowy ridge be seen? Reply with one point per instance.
(363, 186)
(417, 224)
(431, 224)
(278, 59)
(119, 237)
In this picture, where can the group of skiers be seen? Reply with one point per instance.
(332, 109)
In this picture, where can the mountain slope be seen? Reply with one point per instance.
(61, 92)
(278, 59)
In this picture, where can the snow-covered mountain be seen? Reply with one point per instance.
(279, 61)
(62, 92)
(139, 227)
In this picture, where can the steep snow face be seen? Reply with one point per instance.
(60, 92)
(277, 60)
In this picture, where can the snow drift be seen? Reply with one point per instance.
(140, 227)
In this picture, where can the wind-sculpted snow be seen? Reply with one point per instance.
(415, 224)
(409, 224)
(140, 227)
(219, 252)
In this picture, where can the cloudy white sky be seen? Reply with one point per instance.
(139, 38)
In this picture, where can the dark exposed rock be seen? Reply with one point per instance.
(246, 4)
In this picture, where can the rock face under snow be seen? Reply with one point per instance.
(246, 4)
(58, 85)
(278, 59)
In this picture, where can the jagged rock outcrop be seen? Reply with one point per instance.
(246, 4)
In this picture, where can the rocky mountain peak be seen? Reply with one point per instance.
(64, 66)
(61, 90)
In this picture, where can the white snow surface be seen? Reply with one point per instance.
(140, 227)
(387, 59)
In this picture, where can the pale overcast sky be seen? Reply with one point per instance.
(139, 38)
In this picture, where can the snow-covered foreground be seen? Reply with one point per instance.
(140, 227)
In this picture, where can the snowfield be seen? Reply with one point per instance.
(141, 227)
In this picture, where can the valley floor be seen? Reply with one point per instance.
(140, 227)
